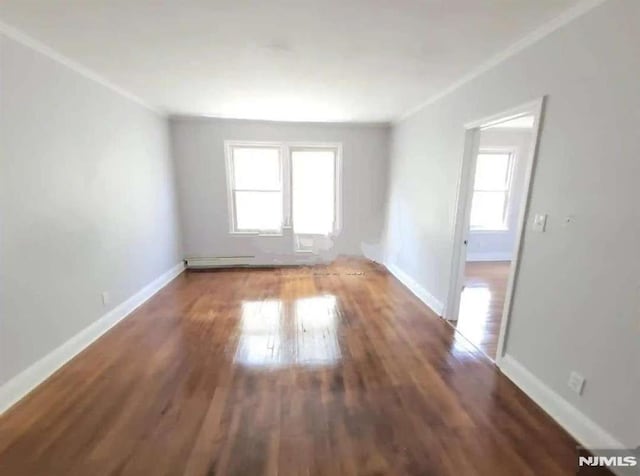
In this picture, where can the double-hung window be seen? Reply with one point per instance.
(273, 186)
(255, 178)
(313, 190)
(491, 189)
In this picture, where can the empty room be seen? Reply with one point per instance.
(319, 237)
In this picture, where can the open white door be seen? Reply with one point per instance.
(463, 210)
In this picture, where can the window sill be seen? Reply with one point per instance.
(256, 233)
(489, 230)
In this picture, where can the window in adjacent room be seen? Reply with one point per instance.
(255, 188)
(491, 189)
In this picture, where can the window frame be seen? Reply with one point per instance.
(337, 185)
(511, 152)
(231, 190)
(285, 150)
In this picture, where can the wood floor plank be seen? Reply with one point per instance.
(324, 370)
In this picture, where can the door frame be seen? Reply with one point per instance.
(463, 210)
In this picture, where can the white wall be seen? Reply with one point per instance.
(498, 245)
(86, 203)
(577, 300)
(198, 151)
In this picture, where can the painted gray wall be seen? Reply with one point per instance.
(86, 202)
(577, 299)
(498, 245)
(198, 152)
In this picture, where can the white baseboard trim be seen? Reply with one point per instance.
(588, 433)
(489, 256)
(426, 297)
(20, 385)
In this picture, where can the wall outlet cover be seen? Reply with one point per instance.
(576, 382)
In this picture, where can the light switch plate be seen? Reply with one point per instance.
(540, 222)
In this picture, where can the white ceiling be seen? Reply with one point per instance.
(312, 60)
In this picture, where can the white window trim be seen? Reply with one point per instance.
(285, 150)
(302, 146)
(512, 151)
(229, 146)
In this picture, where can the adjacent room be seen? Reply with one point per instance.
(319, 237)
(498, 192)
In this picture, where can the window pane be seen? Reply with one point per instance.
(313, 191)
(492, 172)
(487, 210)
(256, 168)
(258, 211)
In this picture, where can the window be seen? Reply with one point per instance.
(276, 184)
(313, 191)
(491, 190)
(255, 188)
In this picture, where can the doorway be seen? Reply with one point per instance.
(494, 189)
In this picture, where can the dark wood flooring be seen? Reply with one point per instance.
(294, 371)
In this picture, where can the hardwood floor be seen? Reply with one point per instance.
(482, 303)
(294, 371)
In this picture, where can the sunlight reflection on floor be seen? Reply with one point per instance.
(474, 308)
(278, 334)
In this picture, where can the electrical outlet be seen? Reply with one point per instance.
(576, 382)
(105, 298)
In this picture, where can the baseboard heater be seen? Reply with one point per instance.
(219, 262)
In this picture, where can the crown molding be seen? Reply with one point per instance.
(528, 40)
(30, 42)
(240, 120)
(538, 34)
